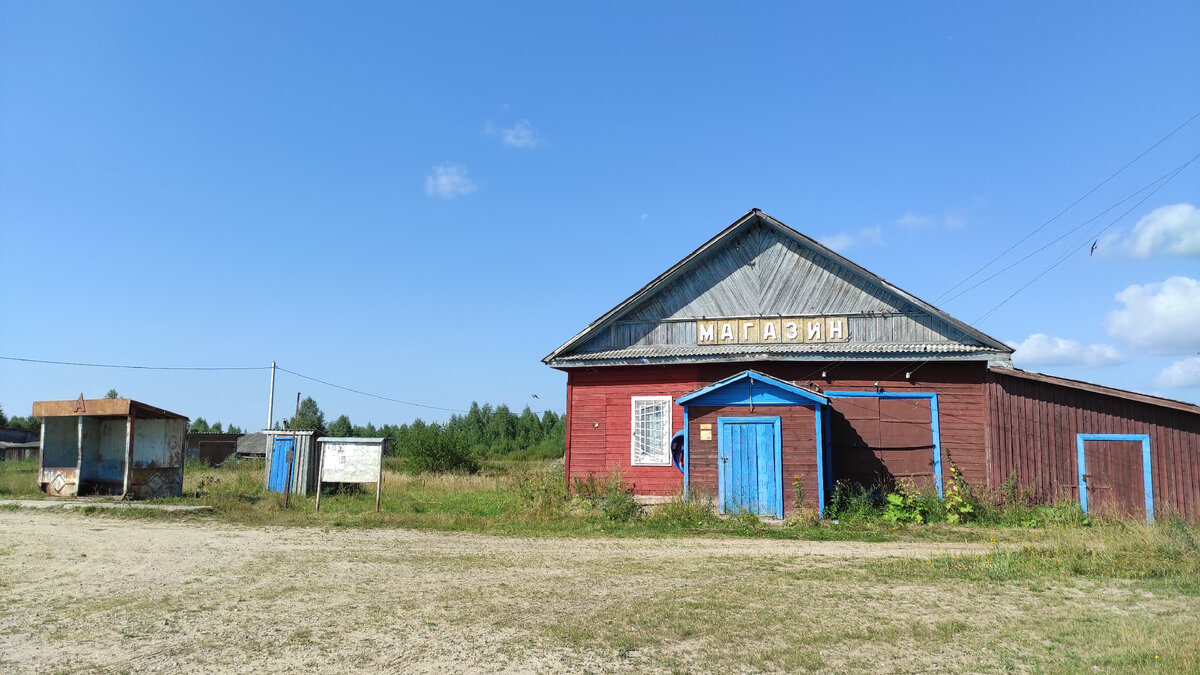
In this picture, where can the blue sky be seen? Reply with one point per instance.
(421, 201)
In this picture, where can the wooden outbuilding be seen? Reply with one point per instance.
(110, 446)
(785, 364)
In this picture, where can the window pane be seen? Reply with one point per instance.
(651, 430)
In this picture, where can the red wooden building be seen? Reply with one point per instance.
(778, 358)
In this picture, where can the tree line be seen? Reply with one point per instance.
(30, 423)
(459, 443)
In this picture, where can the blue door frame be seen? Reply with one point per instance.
(750, 465)
(1147, 475)
(934, 426)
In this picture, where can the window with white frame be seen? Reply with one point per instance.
(651, 425)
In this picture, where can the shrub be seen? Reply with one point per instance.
(693, 512)
(905, 505)
(608, 493)
(433, 450)
(544, 490)
(853, 502)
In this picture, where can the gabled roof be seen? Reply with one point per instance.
(740, 389)
(762, 291)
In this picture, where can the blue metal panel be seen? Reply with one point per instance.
(822, 458)
(687, 464)
(750, 460)
(1147, 474)
(279, 464)
(934, 424)
(827, 469)
(935, 429)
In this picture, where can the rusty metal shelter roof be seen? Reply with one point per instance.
(102, 407)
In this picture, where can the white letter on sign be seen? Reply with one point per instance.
(727, 335)
(814, 331)
(749, 333)
(791, 331)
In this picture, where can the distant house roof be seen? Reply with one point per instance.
(759, 267)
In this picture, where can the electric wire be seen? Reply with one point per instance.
(132, 367)
(1076, 248)
(1068, 208)
(1157, 184)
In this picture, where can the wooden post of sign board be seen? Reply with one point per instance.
(320, 472)
(379, 482)
(287, 490)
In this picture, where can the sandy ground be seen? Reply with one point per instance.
(89, 593)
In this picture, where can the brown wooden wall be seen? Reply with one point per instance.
(797, 429)
(1034, 427)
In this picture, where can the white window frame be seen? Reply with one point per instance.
(666, 402)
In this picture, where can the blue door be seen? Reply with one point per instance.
(749, 465)
(281, 454)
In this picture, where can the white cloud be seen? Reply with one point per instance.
(1168, 230)
(844, 240)
(1181, 374)
(449, 180)
(1043, 350)
(1163, 318)
(645, 216)
(912, 219)
(955, 221)
(521, 135)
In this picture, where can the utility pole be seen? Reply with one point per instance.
(271, 400)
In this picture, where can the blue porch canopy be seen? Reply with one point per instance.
(751, 388)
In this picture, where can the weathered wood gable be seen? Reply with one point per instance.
(760, 268)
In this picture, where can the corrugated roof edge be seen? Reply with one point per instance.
(738, 224)
(1149, 399)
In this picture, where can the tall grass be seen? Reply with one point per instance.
(19, 479)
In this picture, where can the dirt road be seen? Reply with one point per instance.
(91, 593)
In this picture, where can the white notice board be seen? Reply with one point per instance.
(351, 462)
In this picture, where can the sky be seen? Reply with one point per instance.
(422, 200)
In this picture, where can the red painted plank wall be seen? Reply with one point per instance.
(598, 424)
(797, 429)
(598, 408)
(1034, 430)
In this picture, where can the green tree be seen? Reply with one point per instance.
(30, 423)
(529, 428)
(310, 416)
(216, 428)
(234, 429)
(112, 393)
(3, 419)
(199, 426)
(341, 427)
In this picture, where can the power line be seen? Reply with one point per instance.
(1157, 184)
(1074, 249)
(367, 393)
(132, 367)
(1068, 208)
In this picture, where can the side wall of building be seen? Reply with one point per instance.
(1035, 425)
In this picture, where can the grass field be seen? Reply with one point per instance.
(587, 585)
